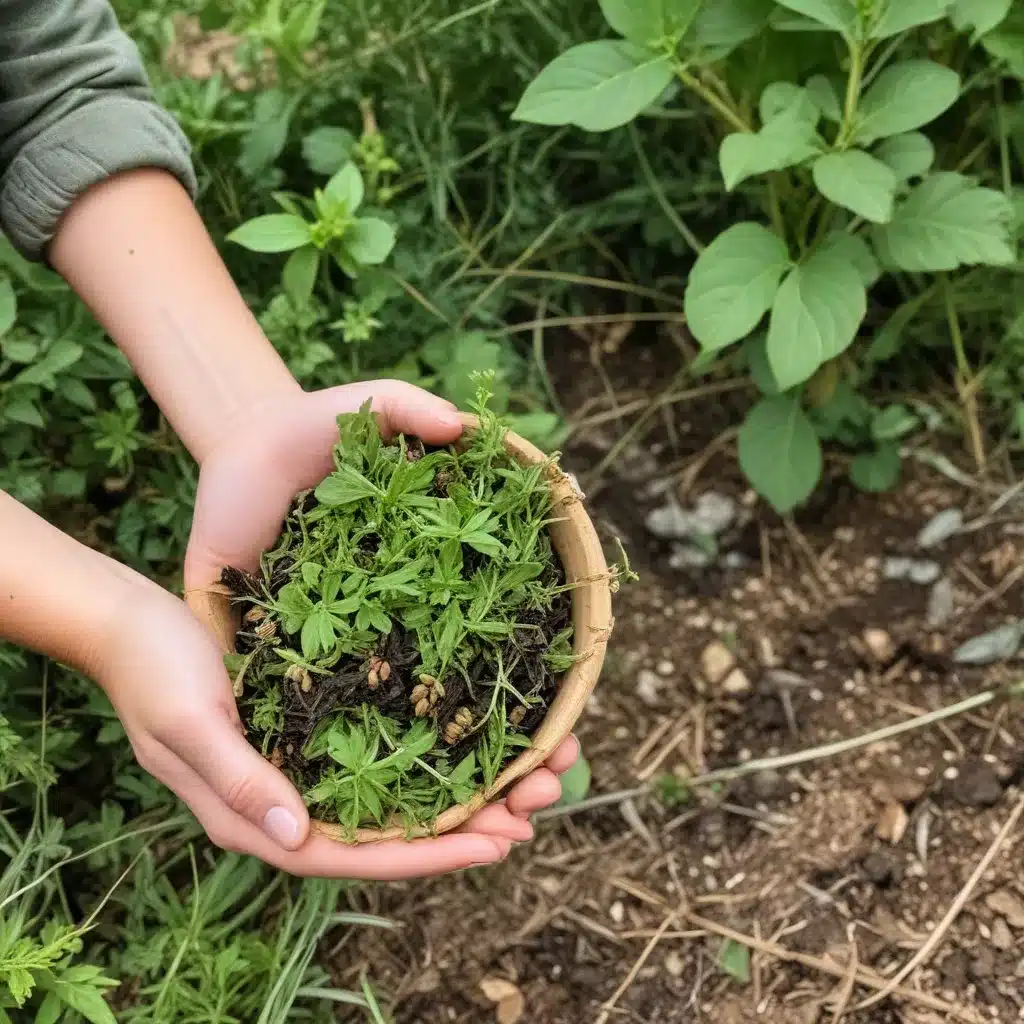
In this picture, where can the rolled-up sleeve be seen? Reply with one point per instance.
(75, 108)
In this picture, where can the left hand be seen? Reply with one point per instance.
(246, 485)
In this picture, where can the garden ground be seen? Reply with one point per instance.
(785, 895)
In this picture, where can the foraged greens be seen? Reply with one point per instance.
(406, 634)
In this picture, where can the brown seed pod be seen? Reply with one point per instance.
(437, 692)
(428, 680)
(267, 629)
(419, 693)
(517, 715)
(373, 679)
(384, 671)
(452, 733)
(301, 676)
(276, 757)
(464, 717)
(254, 615)
(423, 708)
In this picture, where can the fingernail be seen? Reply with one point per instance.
(280, 824)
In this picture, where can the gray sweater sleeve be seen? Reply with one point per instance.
(75, 108)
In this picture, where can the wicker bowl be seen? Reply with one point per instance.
(577, 545)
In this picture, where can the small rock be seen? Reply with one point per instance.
(983, 965)
(879, 645)
(880, 868)
(427, 981)
(1002, 938)
(717, 661)
(940, 528)
(977, 785)
(686, 556)
(511, 1003)
(998, 644)
(940, 603)
(892, 823)
(674, 965)
(617, 912)
(1009, 904)
(714, 513)
(665, 668)
(896, 567)
(648, 685)
(924, 573)
(768, 785)
(735, 560)
(736, 683)
(902, 789)
(670, 522)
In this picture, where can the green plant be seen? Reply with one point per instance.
(850, 197)
(407, 630)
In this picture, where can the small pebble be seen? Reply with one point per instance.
(648, 685)
(977, 785)
(717, 661)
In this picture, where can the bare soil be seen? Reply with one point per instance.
(834, 874)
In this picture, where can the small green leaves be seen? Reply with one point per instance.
(649, 22)
(858, 182)
(906, 96)
(787, 138)
(983, 16)
(779, 451)
(299, 275)
(327, 148)
(274, 232)
(346, 186)
(733, 284)
(734, 960)
(838, 15)
(575, 783)
(370, 240)
(722, 25)
(876, 470)
(909, 156)
(815, 317)
(8, 305)
(595, 86)
(900, 15)
(947, 222)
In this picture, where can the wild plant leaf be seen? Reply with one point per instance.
(294, 606)
(723, 25)
(299, 275)
(779, 451)
(733, 284)
(910, 155)
(906, 96)
(901, 15)
(838, 15)
(8, 305)
(485, 543)
(648, 22)
(345, 486)
(734, 960)
(983, 16)
(369, 241)
(824, 95)
(346, 187)
(854, 250)
(327, 148)
(817, 312)
(947, 222)
(311, 573)
(273, 232)
(858, 182)
(877, 470)
(347, 745)
(596, 86)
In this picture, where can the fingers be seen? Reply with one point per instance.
(401, 409)
(244, 782)
(538, 790)
(565, 756)
(497, 820)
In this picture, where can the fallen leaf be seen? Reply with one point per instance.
(509, 998)
(892, 823)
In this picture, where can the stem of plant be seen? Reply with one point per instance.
(729, 114)
(965, 382)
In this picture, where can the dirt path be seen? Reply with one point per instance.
(833, 875)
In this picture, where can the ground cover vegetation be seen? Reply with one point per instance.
(818, 199)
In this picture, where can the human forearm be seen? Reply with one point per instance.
(57, 596)
(136, 251)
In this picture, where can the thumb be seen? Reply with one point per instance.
(247, 783)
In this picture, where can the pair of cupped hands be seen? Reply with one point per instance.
(167, 681)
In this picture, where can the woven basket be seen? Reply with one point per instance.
(576, 543)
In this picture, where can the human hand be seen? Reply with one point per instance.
(247, 483)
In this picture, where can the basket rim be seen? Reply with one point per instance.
(578, 547)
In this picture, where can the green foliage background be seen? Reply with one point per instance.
(107, 885)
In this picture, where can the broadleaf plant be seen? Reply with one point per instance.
(851, 190)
